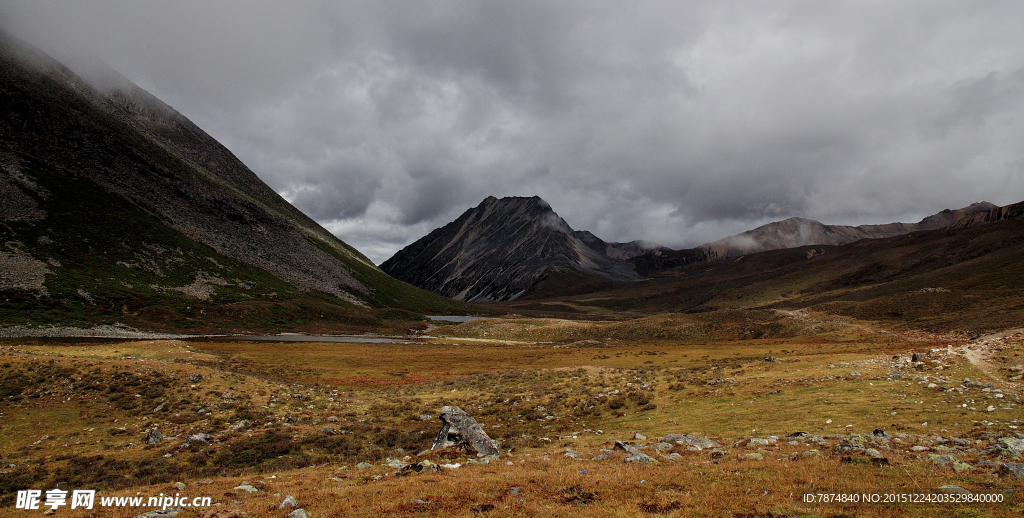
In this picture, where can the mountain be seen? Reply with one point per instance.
(498, 250)
(794, 232)
(966, 278)
(620, 251)
(118, 208)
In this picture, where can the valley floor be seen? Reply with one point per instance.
(773, 407)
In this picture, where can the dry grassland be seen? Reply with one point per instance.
(298, 419)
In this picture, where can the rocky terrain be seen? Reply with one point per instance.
(498, 250)
(111, 196)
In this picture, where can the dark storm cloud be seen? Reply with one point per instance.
(675, 122)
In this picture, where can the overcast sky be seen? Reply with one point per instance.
(670, 121)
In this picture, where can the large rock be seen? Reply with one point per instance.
(153, 436)
(458, 426)
(690, 441)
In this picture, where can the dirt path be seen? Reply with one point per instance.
(982, 352)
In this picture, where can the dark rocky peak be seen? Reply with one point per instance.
(498, 250)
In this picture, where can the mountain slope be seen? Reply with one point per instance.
(959, 278)
(497, 251)
(116, 198)
(794, 232)
(621, 251)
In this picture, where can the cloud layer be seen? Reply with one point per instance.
(673, 122)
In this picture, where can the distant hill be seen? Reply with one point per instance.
(119, 209)
(794, 232)
(967, 277)
(498, 250)
(799, 232)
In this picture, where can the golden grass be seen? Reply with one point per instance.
(537, 396)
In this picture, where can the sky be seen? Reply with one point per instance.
(675, 122)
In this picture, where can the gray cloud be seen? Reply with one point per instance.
(674, 122)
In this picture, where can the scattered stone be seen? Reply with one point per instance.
(153, 436)
(329, 430)
(170, 512)
(873, 453)
(180, 486)
(757, 441)
(950, 488)
(423, 466)
(224, 513)
(333, 419)
(247, 487)
(640, 458)
(573, 454)
(663, 446)
(194, 378)
(920, 449)
(1011, 445)
(515, 491)
(298, 513)
(458, 426)
(424, 417)
(692, 442)
(751, 456)
(880, 433)
(637, 436)
(811, 453)
(1013, 468)
(364, 465)
(198, 437)
(289, 503)
(797, 434)
(396, 463)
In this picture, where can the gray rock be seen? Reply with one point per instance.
(396, 463)
(364, 465)
(700, 443)
(515, 491)
(1013, 445)
(811, 453)
(247, 487)
(751, 456)
(170, 512)
(873, 453)
(195, 377)
(180, 486)
(298, 513)
(198, 437)
(950, 488)
(153, 436)
(329, 430)
(289, 503)
(1013, 468)
(757, 441)
(637, 436)
(458, 426)
(663, 446)
(640, 458)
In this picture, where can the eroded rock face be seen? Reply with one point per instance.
(458, 426)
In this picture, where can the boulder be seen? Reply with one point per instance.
(170, 512)
(698, 443)
(289, 503)
(458, 426)
(153, 436)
